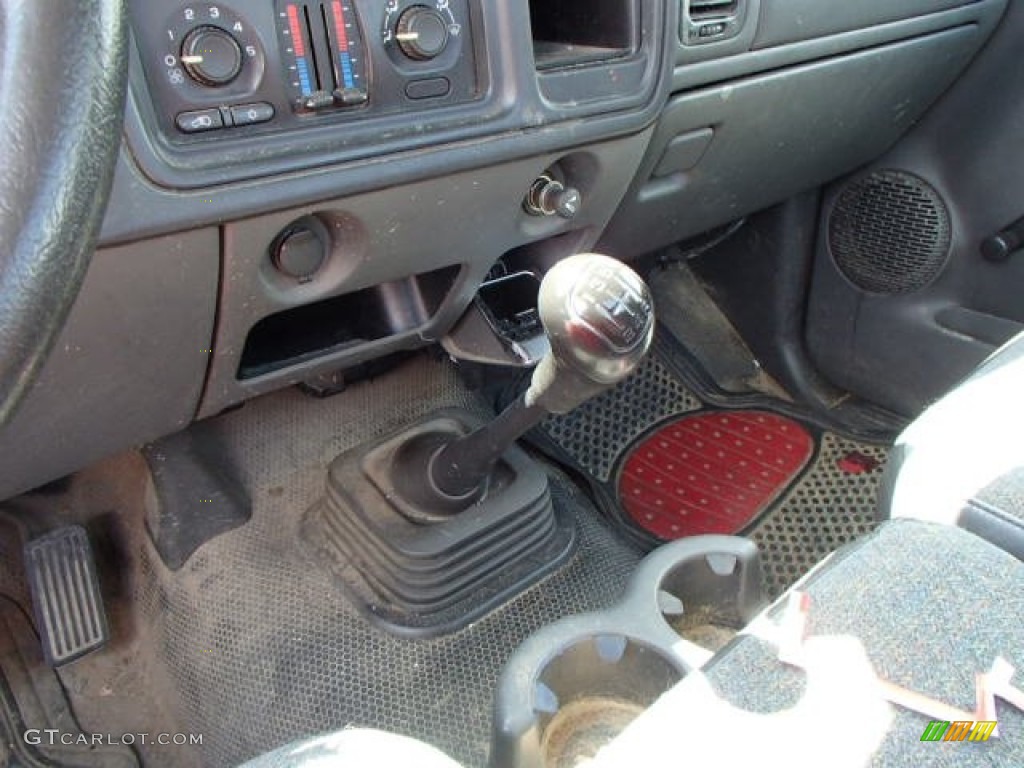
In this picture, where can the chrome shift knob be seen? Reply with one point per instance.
(599, 318)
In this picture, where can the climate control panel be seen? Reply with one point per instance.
(323, 53)
(251, 66)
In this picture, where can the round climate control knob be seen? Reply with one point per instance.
(422, 33)
(211, 56)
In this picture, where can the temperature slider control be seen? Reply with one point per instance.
(324, 52)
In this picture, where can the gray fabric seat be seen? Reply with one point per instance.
(926, 606)
(962, 461)
(354, 748)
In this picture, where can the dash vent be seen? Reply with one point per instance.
(704, 9)
(711, 21)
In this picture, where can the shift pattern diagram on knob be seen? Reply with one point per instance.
(599, 317)
(612, 303)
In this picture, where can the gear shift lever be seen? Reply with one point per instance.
(389, 522)
(599, 318)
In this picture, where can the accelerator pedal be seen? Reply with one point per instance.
(66, 595)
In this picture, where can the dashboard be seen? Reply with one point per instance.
(308, 185)
(235, 90)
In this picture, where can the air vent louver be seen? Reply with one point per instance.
(702, 9)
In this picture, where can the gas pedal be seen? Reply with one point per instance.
(66, 595)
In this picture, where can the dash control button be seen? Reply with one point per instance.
(251, 114)
(431, 88)
(711, 30)
(199, 120)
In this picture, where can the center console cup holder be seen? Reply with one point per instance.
(703, 589)
(592, 689)
(574, 685)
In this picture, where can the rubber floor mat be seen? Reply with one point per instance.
(808, 492)
(711, 472)
(834, 502)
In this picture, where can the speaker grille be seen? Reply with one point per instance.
(889, 232)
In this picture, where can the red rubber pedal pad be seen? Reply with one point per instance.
(711, 472)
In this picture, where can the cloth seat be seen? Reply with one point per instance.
(355, 748)
(922, 605)
(962, 461)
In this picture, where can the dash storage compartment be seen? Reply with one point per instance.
(352, 319)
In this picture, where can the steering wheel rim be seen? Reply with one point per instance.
(63, 71)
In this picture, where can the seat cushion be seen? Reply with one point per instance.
(922, 605)
(962, 461)
(354, 748)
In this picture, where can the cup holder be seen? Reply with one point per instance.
(588, 693)
(704, 589)
(572, 687)
(576, 684)
(698, 598)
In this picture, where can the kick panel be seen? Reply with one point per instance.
(219, 70)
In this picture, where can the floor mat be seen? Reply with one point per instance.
(711, 472)
(807, 492)
(833, 503)
(262, 645)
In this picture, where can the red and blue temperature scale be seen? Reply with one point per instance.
(324, 49)
(298, 48)
(341, 42)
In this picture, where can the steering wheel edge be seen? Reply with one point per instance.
(58, 160)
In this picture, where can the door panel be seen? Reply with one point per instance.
(902, 303)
